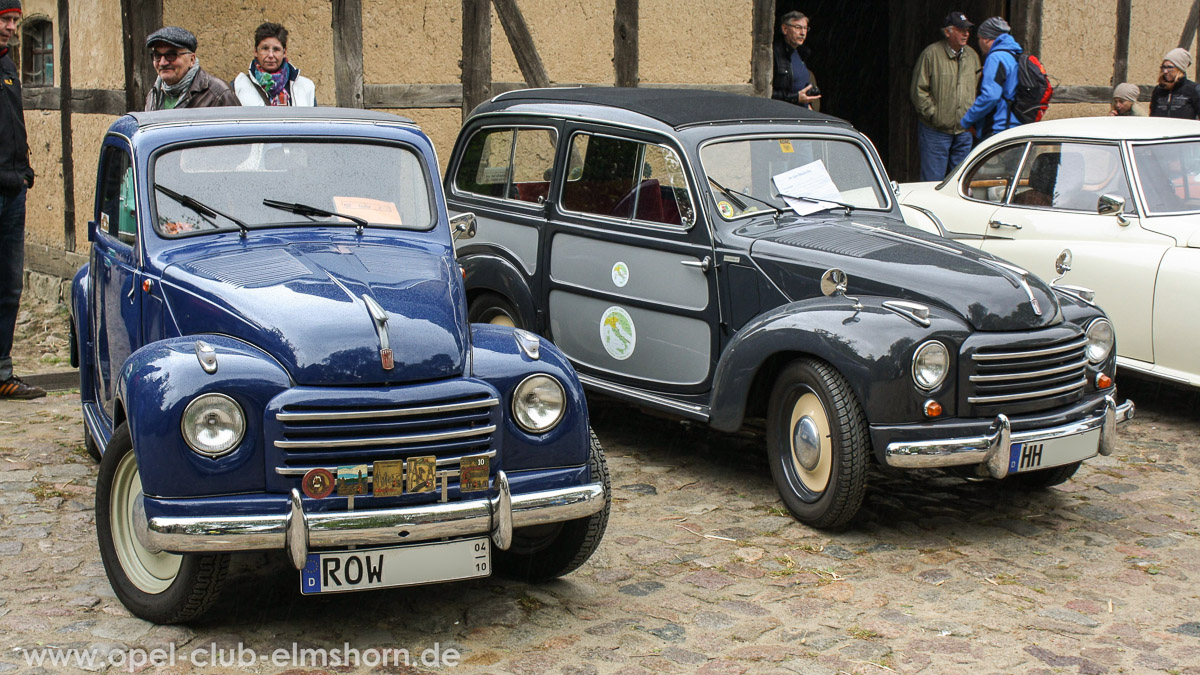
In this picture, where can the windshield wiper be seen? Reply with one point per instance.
(200, 207)
(306, 210)
(835, 204)
(733, 197)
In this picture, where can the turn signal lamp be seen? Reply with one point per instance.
(1103, 381)
(933, 408)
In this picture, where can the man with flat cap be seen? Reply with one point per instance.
(1175, 96)
(182, 83)
(943, 87)
(990, 113)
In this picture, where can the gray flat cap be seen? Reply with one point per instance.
(174, 36)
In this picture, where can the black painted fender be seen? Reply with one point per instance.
(871, 347)
(490, 272)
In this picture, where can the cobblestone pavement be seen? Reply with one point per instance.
(700, 570)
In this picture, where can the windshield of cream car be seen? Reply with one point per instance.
(223, 187)
(1170, 176)
(750, 175)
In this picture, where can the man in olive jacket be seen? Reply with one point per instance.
(943, 88)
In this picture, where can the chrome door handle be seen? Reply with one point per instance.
(996, 224)
(702, 265)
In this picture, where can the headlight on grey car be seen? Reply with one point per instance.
(539, 403)
(1100, 340)
(213, 424)
(930, 365)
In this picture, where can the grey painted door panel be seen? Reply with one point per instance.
(628, 271)
(520, 241)
(656, 347)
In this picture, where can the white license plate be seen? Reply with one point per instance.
(397, 566)
(1056, 452)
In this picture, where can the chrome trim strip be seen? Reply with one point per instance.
(442, 461)
(909, 310)
(1028, 394)
(199, 534)
(1081, 363)
(390, 440)
(992, 447)
(1079, 343)
(377, 414)
(691, 409)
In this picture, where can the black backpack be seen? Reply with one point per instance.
(1032, 96)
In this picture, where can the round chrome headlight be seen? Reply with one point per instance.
(1100, 340)
(539, 403)
(213, 424)
(930, 364)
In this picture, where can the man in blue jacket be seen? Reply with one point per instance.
(990, 112)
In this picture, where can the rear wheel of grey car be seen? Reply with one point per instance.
(817, 444)
(1039, 480)
(494, 309)
(156, 586)
(545, 552)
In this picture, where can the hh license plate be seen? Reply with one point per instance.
(1055, 452)
(398, 566)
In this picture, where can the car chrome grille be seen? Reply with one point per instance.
(1032, 371)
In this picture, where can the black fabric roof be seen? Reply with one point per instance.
(675, 107)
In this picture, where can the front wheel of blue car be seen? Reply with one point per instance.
(544, 552)
(154, 585)
(817, 444)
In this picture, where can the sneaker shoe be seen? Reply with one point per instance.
(14, 387)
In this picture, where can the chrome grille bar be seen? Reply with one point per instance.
(390, 440)
(1009, 377)
(1028, 394)
(1033, 353)
(351, 415)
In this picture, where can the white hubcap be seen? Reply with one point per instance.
(502, 319)
(151, 572)
(812, 457)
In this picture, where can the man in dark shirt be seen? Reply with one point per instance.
(792, 81)
(16, 177)
(1175, 96)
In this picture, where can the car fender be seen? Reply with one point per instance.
(81, 330)
(871, 347)
(490, 272)
(501, 362)
(157, 383)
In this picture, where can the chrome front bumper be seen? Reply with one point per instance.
(992, 449)
(297, 531)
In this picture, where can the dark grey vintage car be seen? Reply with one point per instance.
(737, 260)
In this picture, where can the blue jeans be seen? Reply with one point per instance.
(940, 151)
(12, 273)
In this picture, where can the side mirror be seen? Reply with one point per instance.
(1062, 265)
(463, 226)
(1112, 205)
(835, 282)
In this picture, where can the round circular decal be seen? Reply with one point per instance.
(318, 483)
(725, 208)
(617, 333)
(620, 274)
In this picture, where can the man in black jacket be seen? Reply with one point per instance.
(16, 176)
(1175, 96)
(792, 82)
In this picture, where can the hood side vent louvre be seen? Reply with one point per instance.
(253, 269)
(837, 240)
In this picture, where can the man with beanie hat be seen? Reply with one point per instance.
(943, 87)
(16, 177)
(181, 82)
(1175, 96)
(998, 84)
(1125, 101)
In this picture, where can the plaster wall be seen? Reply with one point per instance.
(712, 46)
(414, 42)
(574, 41)
(1155, 28)
(440, 124)
(1078, 40)
(97, 55)
(44, 203)
(226, 36)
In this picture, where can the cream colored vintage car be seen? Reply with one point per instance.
(1123, 194)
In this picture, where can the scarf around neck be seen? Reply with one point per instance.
(274, 84)
(180, 88)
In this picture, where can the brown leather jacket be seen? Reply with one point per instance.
(206, 92)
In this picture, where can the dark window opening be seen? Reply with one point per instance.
(37, 53)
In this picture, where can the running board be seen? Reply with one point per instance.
(691, 411)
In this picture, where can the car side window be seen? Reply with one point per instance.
(1072, 176)
(118, 208)
(990, 179)
(626, 179)
(508, 163)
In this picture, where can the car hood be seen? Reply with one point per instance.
(885, 258)
(304, 303)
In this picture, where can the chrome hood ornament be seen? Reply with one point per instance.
(380, 318)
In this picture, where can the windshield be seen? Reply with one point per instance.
(753, 169)
(1170, 176)
(210, 188)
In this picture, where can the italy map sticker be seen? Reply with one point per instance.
(617, 333)
(620, 274)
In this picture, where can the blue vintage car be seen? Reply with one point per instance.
(274, 353)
